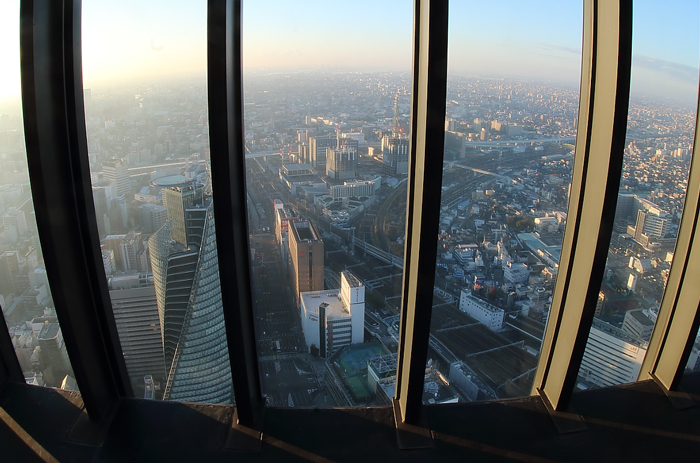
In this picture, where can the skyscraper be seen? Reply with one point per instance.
(341, 162)
(115, 171)
(306, 252)
(9, 270)
(319, 145)
(188, 294)
(153, 216)
(136, 315)
(395, 155)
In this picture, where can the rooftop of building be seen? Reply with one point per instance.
(615, 332)
(350, 363)
(640, 317)
(334, 306)
(305, 231)
(48, 331)
(287, 212)
(353, 281)
(535, 242)
(302, 179)
(295, 169)
(171, 181)
(384, 364)
(480, 302)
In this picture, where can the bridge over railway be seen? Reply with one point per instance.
(374, 251)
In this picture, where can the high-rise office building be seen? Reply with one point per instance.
(283, 216)
(188, 294)
(153, 216)
(318, 147)
(116, 171)
(341, 163)
(395, 155)
(9, 271)
(651, 222)
(306, 251)
(15, 219)
(101, 195)
(612, 356)
(136, 314)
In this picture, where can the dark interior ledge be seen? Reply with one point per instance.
(631, 423)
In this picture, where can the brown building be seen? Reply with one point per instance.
(306, 252)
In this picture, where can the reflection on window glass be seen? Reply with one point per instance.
(658, 148)
(510, 132)
(693, 363)
(146, 110)
(25, 296)
(326, 158)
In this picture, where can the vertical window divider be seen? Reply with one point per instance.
(227, 143)
(679, 314)
(10, 369)
(56, 142)
(428, 102)
(604, 101)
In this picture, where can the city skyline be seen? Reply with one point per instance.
(539, 43)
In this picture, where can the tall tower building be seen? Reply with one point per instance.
(306, 251)
(136, 314)
(115, 171)
(317, 150)
(178, 199)
(9, 272)
(188, 294)
(395, 155)
(153, 216)
(15, 219)
(652, 222)
(318, 147)
(341, 163)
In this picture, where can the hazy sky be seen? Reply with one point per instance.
(156, 39)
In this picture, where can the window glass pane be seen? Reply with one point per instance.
(693, 363)
(146, 109)
(658, 148)
(326, 118)
(510, 130)
(25, 296)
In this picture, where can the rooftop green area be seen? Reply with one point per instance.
(351, 365)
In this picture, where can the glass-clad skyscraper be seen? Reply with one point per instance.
(186, 276)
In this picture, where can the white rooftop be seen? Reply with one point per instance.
(313, 299)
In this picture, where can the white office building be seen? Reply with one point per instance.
(482, 311)
(332, 319)
(612, 356)
(516, 273)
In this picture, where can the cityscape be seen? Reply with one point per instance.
(327, 157)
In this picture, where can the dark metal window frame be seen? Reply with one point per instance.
(58, 162)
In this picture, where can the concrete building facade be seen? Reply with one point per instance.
(188, 294)
(306, 252)
(612, 356)
(482, 311)
(333, 319)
